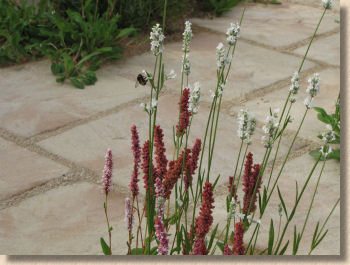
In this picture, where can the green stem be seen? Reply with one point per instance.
(310, 207)
(290, 217)
(313, 36)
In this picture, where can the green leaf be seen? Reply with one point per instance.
(282, 202)
(262, 252)
(95, 53)
(295, 239)
(136, 251)
(75, 82)
(68, 63)
(175, 249)
(283, 250)
(322, 237)
(271, 238)
(216, 181)
(125, 32)
(212, 237)
(61, 78)
(220, 245)
(57, 68)
(154, 251)
(105, 248)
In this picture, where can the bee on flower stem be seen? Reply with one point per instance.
(141, 79)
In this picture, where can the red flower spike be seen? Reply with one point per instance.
(238, 247)
(136, 148)
(205, 218)
(162, 161)
(227, 250)
(172, 175)
(199, 248)
(185, 114)
(250, 179)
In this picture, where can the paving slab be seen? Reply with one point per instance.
(21, 170)
(87, 144)
(329, 89)
(252, 67)
(274, 25)
(326, 50)
(316, 3)
(328, 193)
(66, 220)
(32, 102)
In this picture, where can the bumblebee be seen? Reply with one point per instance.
(141, 79)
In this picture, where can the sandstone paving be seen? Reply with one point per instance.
(70, 219)
(87, 144)
(252, 67)
(22, 170)
(274, 25)
(65, 220)
(32, 102)
(327, 195)
(326, 50)
(315, 3)
(329, 90)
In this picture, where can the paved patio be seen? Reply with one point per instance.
(53, 137)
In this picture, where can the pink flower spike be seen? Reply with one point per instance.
(129, 217)
(161, 235)
(107, 172)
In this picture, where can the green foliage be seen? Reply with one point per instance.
(221, 6)
(82, 41)
(20, 30)
(105, 248)
(334, 121)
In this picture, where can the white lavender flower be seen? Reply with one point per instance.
(149, 108)
(246, 126)
(171, 75)
(186, 65)
(328, 4)
(220, 56)
(232, 210)
(312, 89)
(187, 34)
(328, 136)
(157, 38)
(221, 88)
(233, 33)
(294, 87)
(292, 100)
(269, 129)
(241, 215)
(275, 113)
(195, 98)
(212, 93)
(308, 102)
